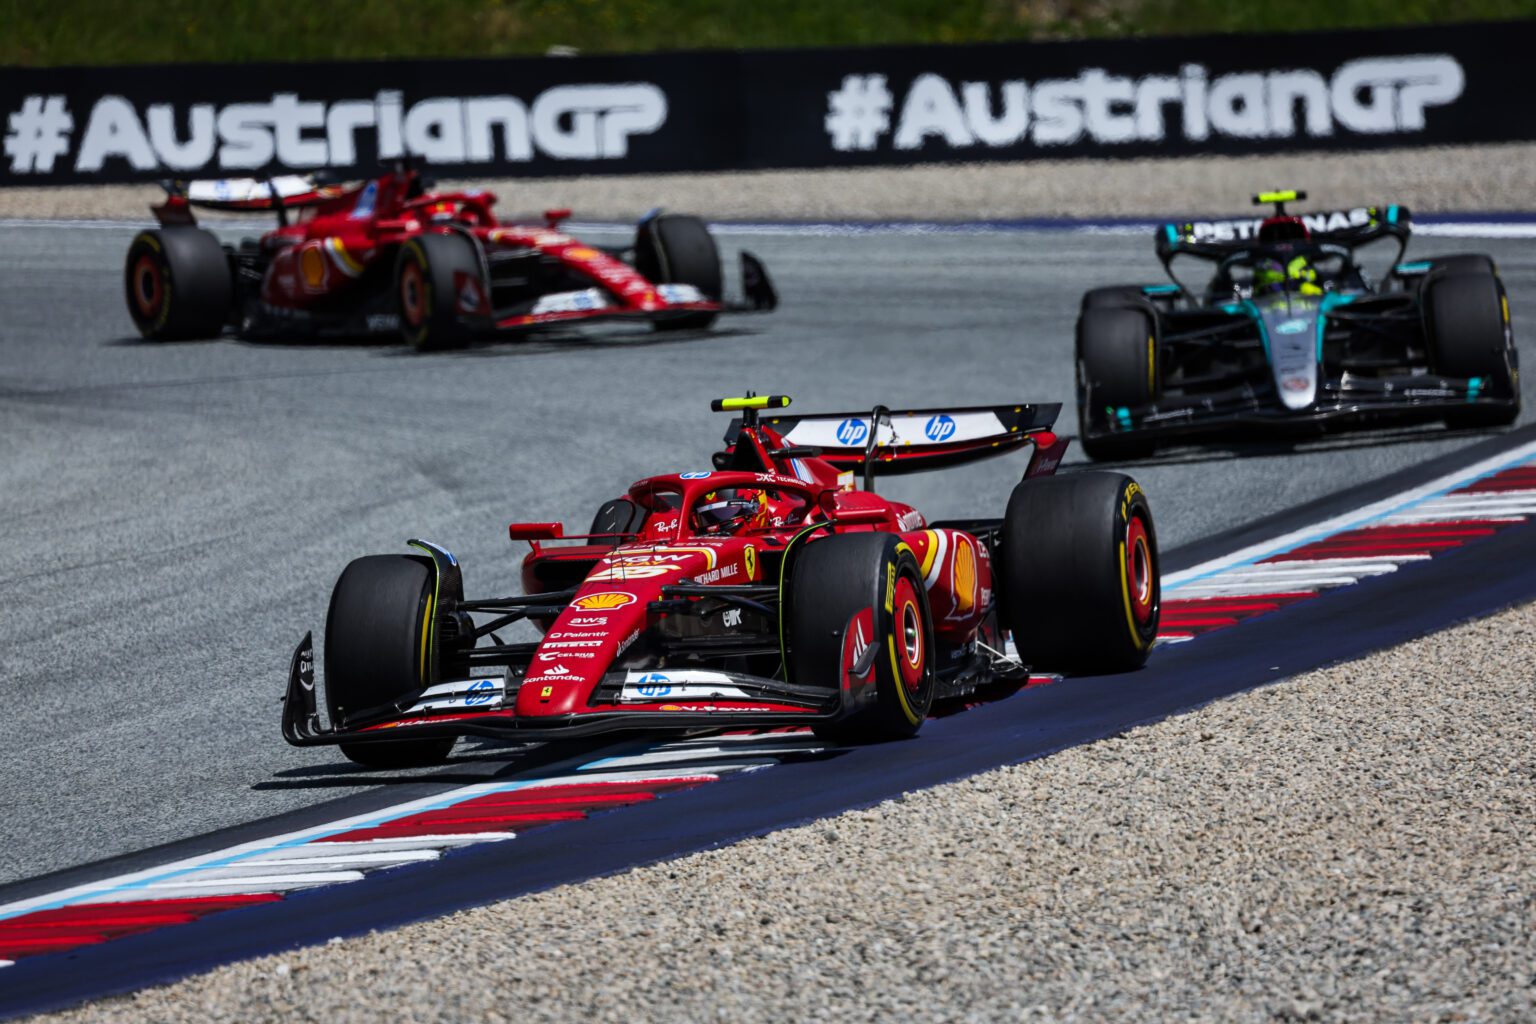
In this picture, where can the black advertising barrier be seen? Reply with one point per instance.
(765, 109)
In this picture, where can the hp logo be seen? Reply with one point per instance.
(851, 432)
(654, 684)
(940, 427)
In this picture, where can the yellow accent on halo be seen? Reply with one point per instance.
(1283, 196)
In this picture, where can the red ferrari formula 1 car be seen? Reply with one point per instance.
(387, 257)
(767, 590)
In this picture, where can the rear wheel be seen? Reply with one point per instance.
(376, 636)
(1466, 316)
(178, 284)
(1081, 592)
(438, 286)
(849, 593)
(674, 248)
(1116, 369)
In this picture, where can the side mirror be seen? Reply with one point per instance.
(855, 508)
(535, 531)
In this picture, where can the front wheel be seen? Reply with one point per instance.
(1466, 315)
(1117, 369)
(1081, 590)
(438, 288)
(848, 594)
(178, 284)
(377, 634)
(674, 248)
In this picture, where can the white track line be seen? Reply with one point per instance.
(1407, 502)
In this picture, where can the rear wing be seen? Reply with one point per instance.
(1217, 239)
(287, 191)
(913, 440)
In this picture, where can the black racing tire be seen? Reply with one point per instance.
(836, 579)
(178, 284)
(1466, 319)
(426, 298)
(1120, 296)
(375, 651)
(1117, 366)
(1461, 263)
(1081, 592)
(675, 248)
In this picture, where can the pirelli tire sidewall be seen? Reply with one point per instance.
(426, 298)
(837, 580)
(178, 284)
(1080, 573)
(377, 651)
(1467, 323)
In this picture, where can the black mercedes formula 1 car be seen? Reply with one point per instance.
(1292, 331)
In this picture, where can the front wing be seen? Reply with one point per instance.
(1342, 401)
(764, 703)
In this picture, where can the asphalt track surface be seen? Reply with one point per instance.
(176, 514)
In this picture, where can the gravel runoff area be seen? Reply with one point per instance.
(1353, 844)
(1463, 179)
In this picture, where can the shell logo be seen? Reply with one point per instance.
(600, 602)
(965, 576)
(313, 266)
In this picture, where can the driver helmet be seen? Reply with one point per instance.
(1297, 273)
(730, 509)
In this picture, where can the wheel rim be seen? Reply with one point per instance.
(1140, 575)
(412, 304)
(910, 635)
(148, 289)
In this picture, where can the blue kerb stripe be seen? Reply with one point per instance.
(1313, 538)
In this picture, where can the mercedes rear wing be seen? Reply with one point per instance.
(1217, 239)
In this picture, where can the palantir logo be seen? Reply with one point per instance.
(940, 427)
(851, 432)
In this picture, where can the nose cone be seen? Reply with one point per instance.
(1293, 335)
(580, 646)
